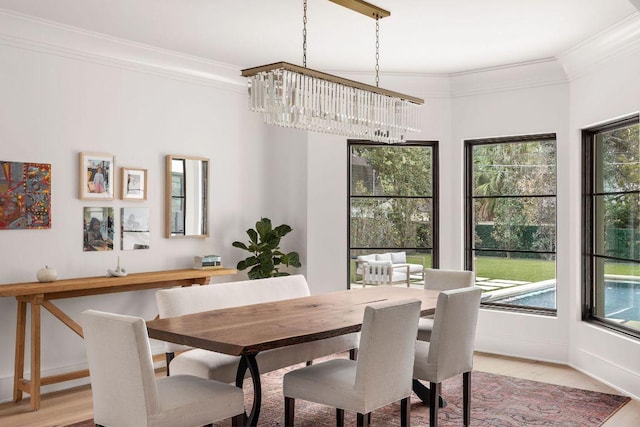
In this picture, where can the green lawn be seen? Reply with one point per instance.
(526, 270)
(529, 270)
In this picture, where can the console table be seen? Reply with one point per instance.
(40, 295)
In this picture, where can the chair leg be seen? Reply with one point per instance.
(339, 417)
(353, 354)
(466, 398)
(433, 403)
(237, 421)
(405, 412)
(169, 357)
(364, 419)
(289, 411)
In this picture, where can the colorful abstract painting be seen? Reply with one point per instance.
(25, 195)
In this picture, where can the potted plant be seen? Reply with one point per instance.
(264, 245)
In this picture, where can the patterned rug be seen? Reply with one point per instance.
(497, 401)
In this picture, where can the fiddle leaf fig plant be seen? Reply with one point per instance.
(264, 245)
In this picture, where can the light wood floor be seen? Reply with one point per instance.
(69, 406)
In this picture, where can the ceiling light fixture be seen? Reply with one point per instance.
(292, 96)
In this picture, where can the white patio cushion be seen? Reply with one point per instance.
(399, 257)
(384, 257)
(415, 268)
(363, 258)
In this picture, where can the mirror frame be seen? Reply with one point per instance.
(168, 194)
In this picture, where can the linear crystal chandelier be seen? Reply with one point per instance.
(292, 96)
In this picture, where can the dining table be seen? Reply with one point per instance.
(247, 330)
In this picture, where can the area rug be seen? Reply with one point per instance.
(497, 401)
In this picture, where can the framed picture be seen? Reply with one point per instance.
(98, 229)
(135, 230)
(96, 176)
(25, 195)
(134, 184)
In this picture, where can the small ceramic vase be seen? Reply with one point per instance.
(47, 274)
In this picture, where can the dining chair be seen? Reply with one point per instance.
(380, 376)
(450, 351)
(125, 389)
(442, 280)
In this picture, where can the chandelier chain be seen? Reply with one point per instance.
(298, 97)
(304, 36)
(377, 52)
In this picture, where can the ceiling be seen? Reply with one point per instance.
(420, 36)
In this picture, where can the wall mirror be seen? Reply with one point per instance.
(187, 203)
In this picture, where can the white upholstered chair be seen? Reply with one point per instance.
(381, 375)
(450, 351)
(125, 389)
(442, 280)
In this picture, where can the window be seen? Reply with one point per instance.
(611, 225)
(393, 202)
(510, 220)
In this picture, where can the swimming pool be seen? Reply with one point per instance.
(541, 298)
(622, 299)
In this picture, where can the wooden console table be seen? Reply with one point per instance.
(40, 295)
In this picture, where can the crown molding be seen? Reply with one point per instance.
(30, 33)
(618, 40)
(423, 85)
(523, 75)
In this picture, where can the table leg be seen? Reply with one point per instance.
(18, 367)
(35, 357)
(423, 393)
(249, 361)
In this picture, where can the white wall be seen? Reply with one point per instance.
(57, 101)
(487, 106)
(328, 161)
(65, 92)
(600, 91)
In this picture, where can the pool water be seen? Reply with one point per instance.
(622, 299)
(542, 298)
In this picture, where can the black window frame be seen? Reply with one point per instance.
(435, 205)
(469, 249)
(589, 172)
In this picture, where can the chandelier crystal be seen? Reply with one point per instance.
(292, 96)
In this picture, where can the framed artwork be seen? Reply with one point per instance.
(96, 176)
(135, 231)
(134, 184)
(98, 229)
(25, 195)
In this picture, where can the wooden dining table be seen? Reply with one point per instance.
(247, 330)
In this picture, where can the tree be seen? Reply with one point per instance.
(508, 180)
(391, 220)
